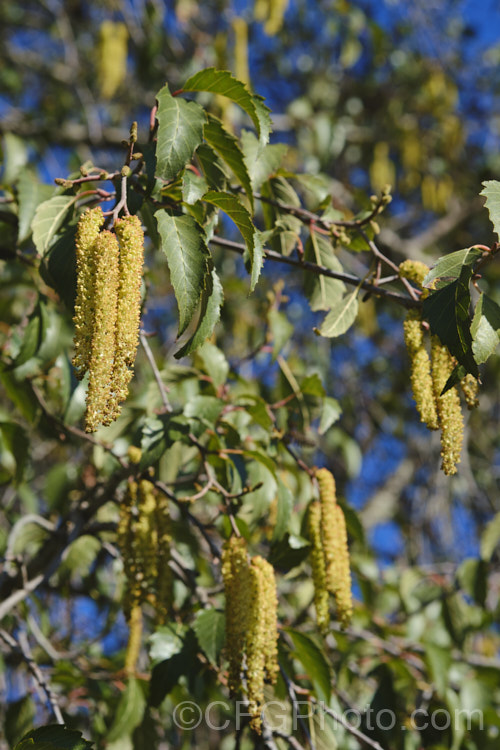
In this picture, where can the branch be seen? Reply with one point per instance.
(400, 299)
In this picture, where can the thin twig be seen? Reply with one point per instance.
(159, 382)
(35, 671)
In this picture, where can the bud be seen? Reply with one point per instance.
(420, 367)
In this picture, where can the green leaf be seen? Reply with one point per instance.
(129, 712)
(215, 364)
(238, 213)
(206, 408)
(491, 191)
(226, 145)
(447, 311)
(438, 660)
(341, 317)
(261, 162)
(286, 227)
(472, 575)
(158, 434)
(30, 192)
(49, 217)
(285, 505)
(166, 675)
(211, 302)
(323, 292)
(53, 737)
(180, 132)
(490, 538)
(19, 718)
(450, 266)
(183, 242)
(485, 328)
(193, 187)
(314, 662)
(329, 415)
(210, 628)
(165, 642)
(14, 451)
(58, 268)
(281, 330)
(222, 82)
(213, 168)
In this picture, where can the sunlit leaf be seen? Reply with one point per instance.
(180, 132)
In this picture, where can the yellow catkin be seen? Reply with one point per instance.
(413, 270)
(134, 640)
(335, 548)
(318, 566)
(420, 366)
(131, 238)
(470, 388)
(236, 576)
(448, 406)
(104, 330)
(343, 589)
(87, 230)
(146, 540)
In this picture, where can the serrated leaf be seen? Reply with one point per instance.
(180, 132)
(165, 642)
(214, 169)
(183, 242)
(238, 213)
(286, 227)
(193, 187)
(54, 737)
(129, 712)
(485, 328)
(261, 162)
(215, 364)
(490, 538)
(210, 628)
(30, 192)
(226, 145)
(211, 302)
(49, 217)
(222, 82)
(323, 292)
(447, 311)
(313, 660)
(450, 266)
(284, 510)
(341, 317)
(491, 191)
(329, 415)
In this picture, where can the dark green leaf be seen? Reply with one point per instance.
(166, 675)
(213, 168)
(238, 213)
(209, 627)
(289, 552)
(58, 267)
(314, 662)
(323, 292)
(222, 82)
(447, 311)
(183, 242)
(180, 132)
(485, 328)
(211, 302)
(158, 434)
(19, 718)
(14, 451)
(54, 737)
(228, 149)
(490, 538)
(438, 660)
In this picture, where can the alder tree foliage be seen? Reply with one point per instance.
(179, 434)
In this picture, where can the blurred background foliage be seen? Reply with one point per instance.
(363, 94)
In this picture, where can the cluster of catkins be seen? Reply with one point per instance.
(251, 624)
(144, 540)
(107, 311)
(429, 374)
(329, 553)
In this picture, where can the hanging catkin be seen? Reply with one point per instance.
(420, 368)
(448, 406)
(318, 566)
(107, 311)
